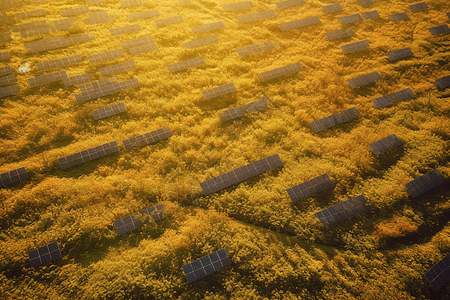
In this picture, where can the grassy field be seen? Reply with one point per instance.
(279, 250)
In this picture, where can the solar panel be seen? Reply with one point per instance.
(99, 17)
(148, 138)
(350, 19)
(299, 23)
(44, 254)
(65, 61)
(28, 14)
(118, 68)
(390, 99)
(443, 82)
(94, 2)
(7, 80)
(439, 30)
(448, 15)
(230, 114)
(183, 65)
(4, 56)
(28, 26)
(139, 42)
(399, 54)
(108, 111)
(6, 37)
(62, 24)
(81, 38)
(238, 6)
(385, 144)
(405, 94)
(125, 29)
(439, 274)
(219, 91)
(356, 46)
(78, 79)
(47, 78)
(418, 6)
(35, 31)
(342, 211)
(136, 220)
(209, 40)
(240, 174)
(256, 16)
(74, 11)
(255, 106)
(255, 48)
(310, 187)
(107, 90)
(47, 44)
(106, 56)
(97, 84)
(88, 155)
(290, 3)
(13, 176)
(364, 80)
(143, 49)
(371, 15)
(335, 119)
(279, 72)
(424, 183)
(208, 27)
(143, 15)
(399, 17)
(332, 8)
(5, 71)
(132, 3)
(9, 90)
(168, 21)
(366, 2)
(206, 265)
(339, 34)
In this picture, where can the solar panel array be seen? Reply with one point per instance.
(418, 6)
(332, 8)
(342, 211)
(28, 26)
(256, 16)
(125, 29)
(366, 2)
(65, 61)
(364, 80)
(118, 68)
(208, 27)
(29, 14)
(99, 17)
(5, 4)
(44, 254)
(143, 15)
(439, 274)
(385, 144)
(399, 54)
(168, 21)
(390, 99)
(424, 183)
(439, 29)
(78, 79)
(230, 114)
(96, 58)
(97, 84)
(138, 42)
(443, 82)
(279, 72)
(136, 220)
(371, 15)
(7, 80)
(5, 37)
(219, 91)
(9, 90)
(57, 42)
(239, 111)
(5, 71)
(350, 19)
(238, 6)
(13, 176)
(240, 174)
(299, 23)
(5, 56)
(206, 265)
(183, 65)
(310, 187)
(339, 34)
(143, 48)
(35, 31)
(255, 106)
(334, 119)
(88, 155)
(209, 40)
(356, 46)
(255, 48)
(399, 17)
(132, 3)
(105, 90)
(109, 111)
(81, 38)
(62, 24)
(47, 78)
(148, 138)
(290, 3)
(74, 11)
